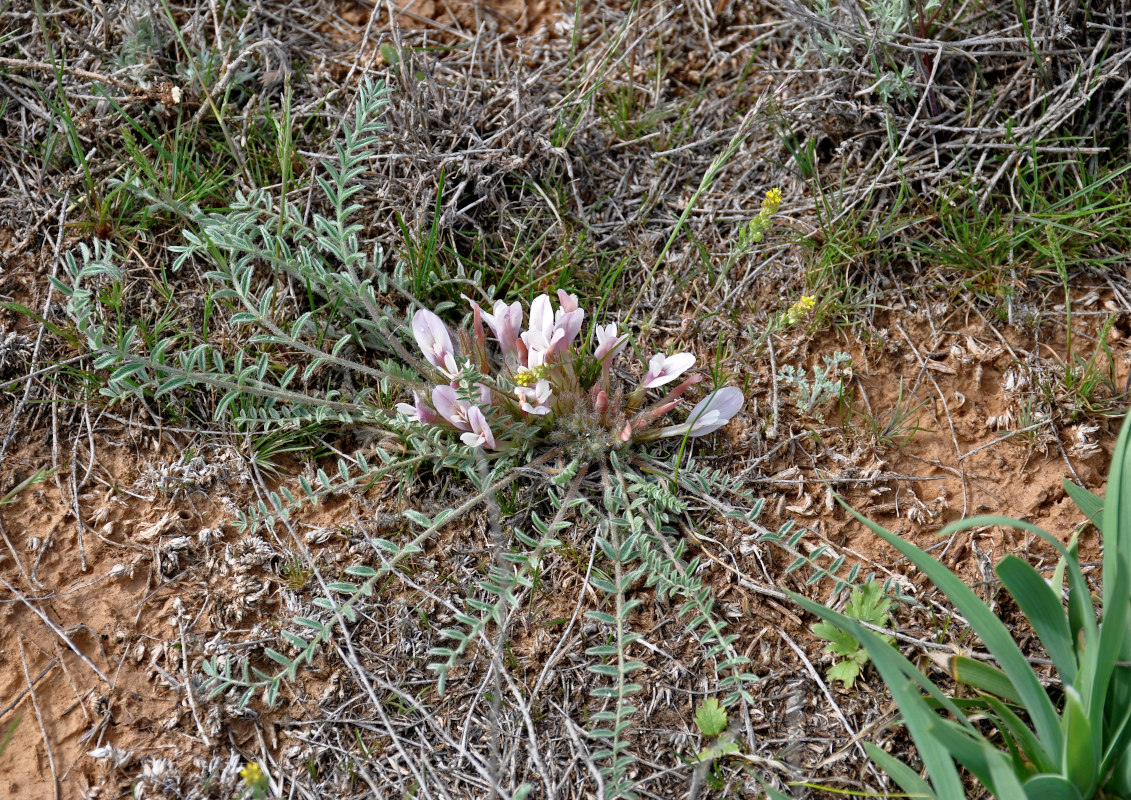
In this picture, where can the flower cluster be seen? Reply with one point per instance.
(753, 231)
(799, 309)
(255, 781)
(539, 378)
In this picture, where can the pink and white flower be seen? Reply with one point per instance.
(567, 301)
(550, 334)
(607, 341)
(451, 408)
(537, 358)
(434, 341)
(480, 434)
(665, 369)
(418, 412)
(711, 413)
(506, 324)
(536, 400)
(569, 323)
(543, 335)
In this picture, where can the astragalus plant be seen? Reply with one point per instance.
(541, 394)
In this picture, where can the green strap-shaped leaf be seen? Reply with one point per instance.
(984, 677)
(1014, 729)
(907, 778)
(1050, 787)
(989, 629)
(1090, 504)
(1044, 611)
(1081, 757)
(1004, 779)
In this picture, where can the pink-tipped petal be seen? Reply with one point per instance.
(450, 407)
(505, 324)
(607, 341)
(665, 369)
(419, 411)
(480, 434)
(477, 334)
(567, 326)
(434, 341)
(568, 302)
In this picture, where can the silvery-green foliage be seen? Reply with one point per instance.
(831, 26)
(895, 86)
(891, 16)
(825, 39)
(825, 386)
(514, 572)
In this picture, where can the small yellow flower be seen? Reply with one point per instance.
(529, 377)
(771, 203)
(799, 309)
(254, 779)
(755, 229)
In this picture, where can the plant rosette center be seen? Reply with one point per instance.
(535, 382)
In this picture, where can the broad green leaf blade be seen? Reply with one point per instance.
(1081, 615)
(989, 629)
(1050, 787)
(972, 752)
(1116, 578)
(1006, 783)
(1081, 757)
(984, 677)
(1114, 633)
(1118, 743)
(1023, 737)
(1044, 611)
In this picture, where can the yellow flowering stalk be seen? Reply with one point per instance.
(799, 309)
(756, 228)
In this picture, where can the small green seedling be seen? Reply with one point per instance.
(867, 603)
(711, 720)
